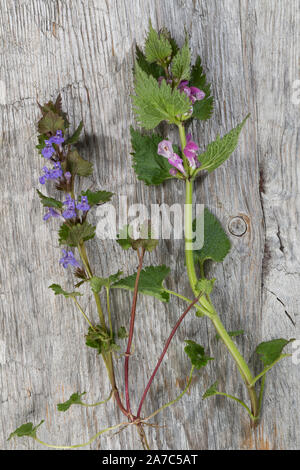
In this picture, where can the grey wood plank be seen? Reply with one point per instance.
(85, 50)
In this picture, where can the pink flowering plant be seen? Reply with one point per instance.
(167, 89)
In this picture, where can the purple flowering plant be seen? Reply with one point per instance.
(167, 89)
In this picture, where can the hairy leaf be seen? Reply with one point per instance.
(270, 351)
(150, 69)
(216, 243)
(181, 64)
(98, 338)
(49, 201)
(218, 151)
(57, 289)
(196, 354)
(150, 283)
(154, 103)
(75, 399)
(77, 165)
(157, 48)
(122, 332)
(211, 391)
(75, 137)
(51, 122)
(148, 165)
(205, 285)
(72, 236)
(97, 197)
(26, 429)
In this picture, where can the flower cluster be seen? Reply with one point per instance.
(69, 259)
(165, 149)
(53, 174)
(49, 150)
(194, 93)
(72, 205)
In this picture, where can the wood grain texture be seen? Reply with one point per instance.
(85, 50)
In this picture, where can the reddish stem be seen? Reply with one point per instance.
(163, 354)
(131, 329)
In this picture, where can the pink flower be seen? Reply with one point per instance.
(197, 94)
(165, 149)
(194, 93)
(177, 162)
(190, 151)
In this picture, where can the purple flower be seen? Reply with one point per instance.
(68, 259)
(83, 204)
(53, 174)
(57, 139)
(165, 149)
(70, 211)
(194, 93)
(197, 94)
(51, 213)
(68, 176)
(176, 161)
(161, 79)
(173, 172)
(48, 150)
(190, 152)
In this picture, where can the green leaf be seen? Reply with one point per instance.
(196, 354)
(216, 243)
(51, 122)
(122, 332)
(181, 64)
(72, 236)
(218, 151)
(232, 334)
(98, 338)
(150, 283)
(98, 282)
(49, 201)
(125, 240)
(211, 391)
(97, 197)
(201, 109)
(150, 69)
(77, 165)
(26, 429)
(57, 289)
(147, 164)
(154, 103)
(75, 137)
(205, 285)
(270, 351)
(157, 48)
(75, 399)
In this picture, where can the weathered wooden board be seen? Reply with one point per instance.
(85, 50)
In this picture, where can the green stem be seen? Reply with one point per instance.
(261, 394)
(52, 446)
(267, 369)
(239, 401)
(205, 300)
(85, 316)
(172, 402)
(189, 301)
(109, 312)
(88, 405)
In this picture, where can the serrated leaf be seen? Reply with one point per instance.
(232, 334)
(98, 338)
(75, 137)
(270, 351)
(150, 283)
(201, 109)
(147, 164)
(49, 201)
(211, 391)
(216, 243)
(181, 64)
(51, 122)
(98, 282)
(97, 197)
(26, 429)
(122, 332)
(75, 399)
(150, 69)
(57, 289)
(157, 48)
(218, 151)
(205, 285)
(77, 165)
(196, 354)
(154, 103)
(73, 235)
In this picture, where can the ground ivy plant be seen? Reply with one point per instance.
(167, 89)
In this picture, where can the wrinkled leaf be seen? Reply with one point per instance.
(49, 201)
(196, 354)
(98, 282)
(97, 197)
(75, 399)
(26, 429)
(270, 351)
(72, 236)
(57, 289)
(211, 391)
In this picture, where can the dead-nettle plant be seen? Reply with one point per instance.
(167, 88)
